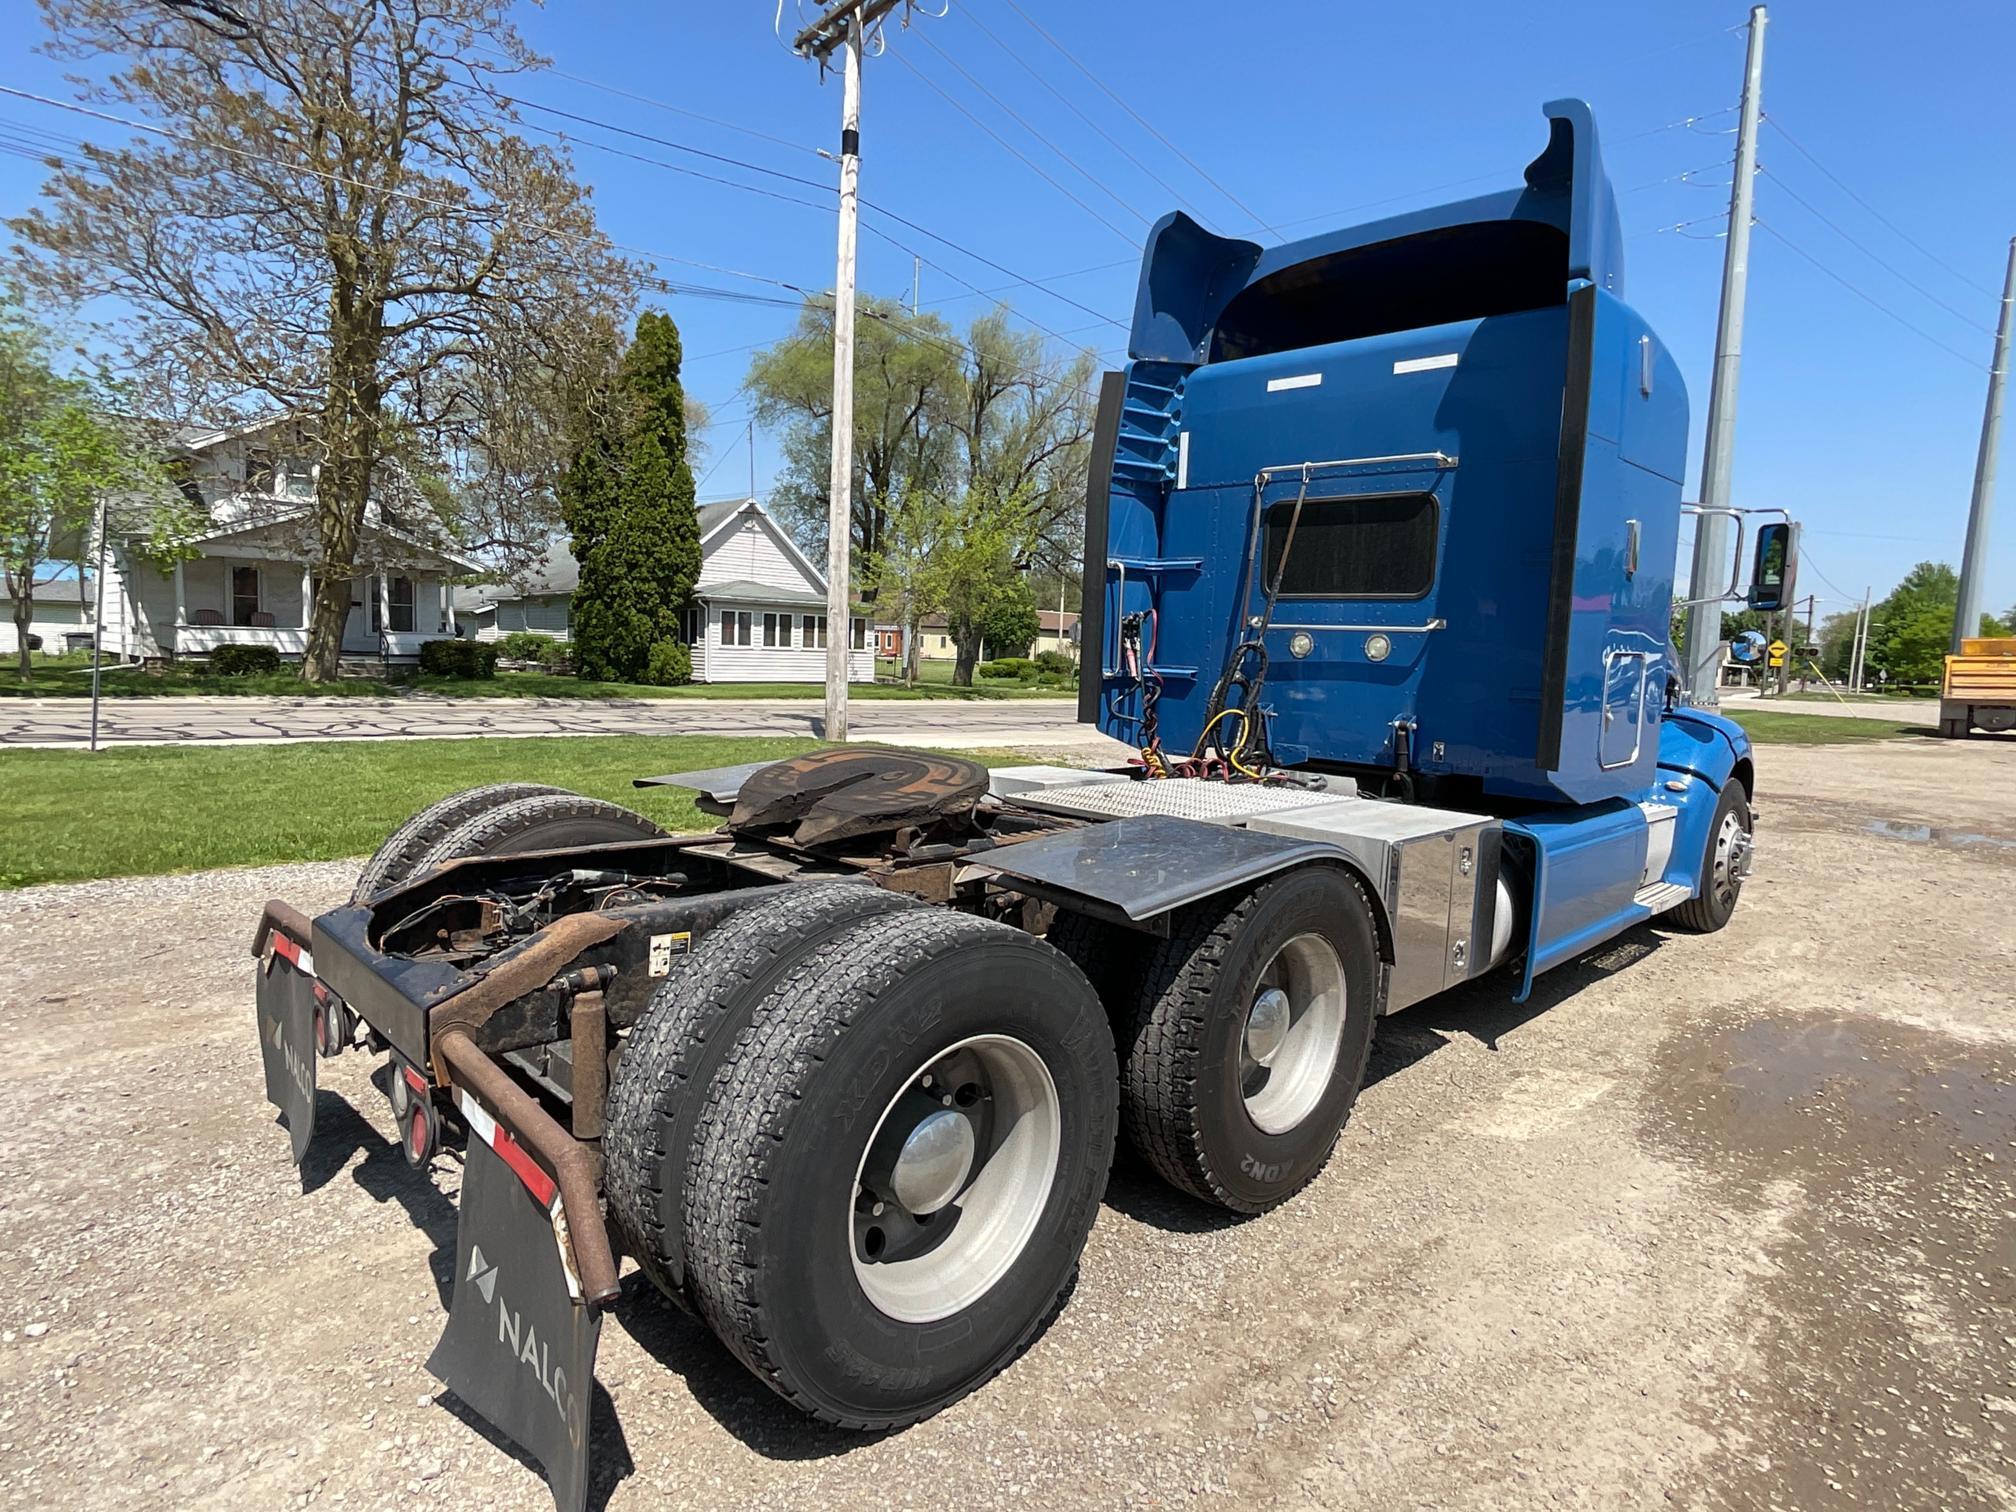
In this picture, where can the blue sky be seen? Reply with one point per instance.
(1863, 376)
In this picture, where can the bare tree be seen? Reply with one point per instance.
(334, 216)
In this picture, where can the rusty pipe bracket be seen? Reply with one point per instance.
(591, 1063)
(285, 919)
(576, 1167)
(513, 975)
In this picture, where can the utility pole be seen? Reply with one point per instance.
(1711, 533)
(842, 27)
(1973, 561)
(1861, 641)
(98, 614)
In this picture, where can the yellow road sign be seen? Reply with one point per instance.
(1777, 650)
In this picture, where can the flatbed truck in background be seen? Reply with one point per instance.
(1381, 533)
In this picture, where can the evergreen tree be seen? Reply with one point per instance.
(628, 504)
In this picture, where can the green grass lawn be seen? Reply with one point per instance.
(144, 810)
(139, 811)
(1771, 728)
(937, 676)
(70, 677)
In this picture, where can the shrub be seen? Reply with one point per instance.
(668, 665)
(1014, 666)
(1054, 662)
(525, 645)
(556, 656)
(244, 661)
(996, 669)
(458, 658)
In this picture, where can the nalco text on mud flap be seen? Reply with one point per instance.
(286, 1006)
(519, 1347)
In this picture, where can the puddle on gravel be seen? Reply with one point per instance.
(1931, 834)
(1884, 1321)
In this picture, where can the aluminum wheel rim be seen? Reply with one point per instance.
(941, 1263)
(1283, 1092)
(1730, 855)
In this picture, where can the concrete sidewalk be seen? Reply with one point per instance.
(1924, 711)
(65, 723)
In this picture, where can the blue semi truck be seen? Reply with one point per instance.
(1379, 570)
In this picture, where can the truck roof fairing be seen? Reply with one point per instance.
(1191, 278)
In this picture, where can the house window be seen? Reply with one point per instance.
(777, 630)
(735, 627)
(402, 603)
(813, 627)
(259, 472)
(244, 594)
(859, 635)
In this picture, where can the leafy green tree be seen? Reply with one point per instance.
(628, 504)
(971, 457)
(906, 390)
(1911, 629)
(1837, 644)
(62, 455)
(1009, 625)
(334, 215)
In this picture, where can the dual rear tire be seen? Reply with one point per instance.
(1243, 1034)
(871, 1162)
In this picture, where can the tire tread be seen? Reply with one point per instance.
(806, 1014)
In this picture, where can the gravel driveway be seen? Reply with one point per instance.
(1721, 1221)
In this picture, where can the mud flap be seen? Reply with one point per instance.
(286, 1002)
(520, 1344)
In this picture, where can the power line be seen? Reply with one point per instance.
(431, 201)
(868, 204)
(509, 101)
(1016, 117)
(1143, 121)
(645, 136)
(1072, 105)
(1869, 299)
(1012, 150)
(1888, 267)
(1896, 229)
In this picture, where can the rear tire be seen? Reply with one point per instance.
(782, 1253)
(1242, 1132)
(685, 1033)
(549, 821)
(1723, 864)
(404, 853)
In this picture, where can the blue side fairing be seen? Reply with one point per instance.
(1486, 345)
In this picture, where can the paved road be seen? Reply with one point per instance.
(64, 722)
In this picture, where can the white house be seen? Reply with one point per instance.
(759, 613)
(249, 582)
(61, 620)
(1054, 632)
